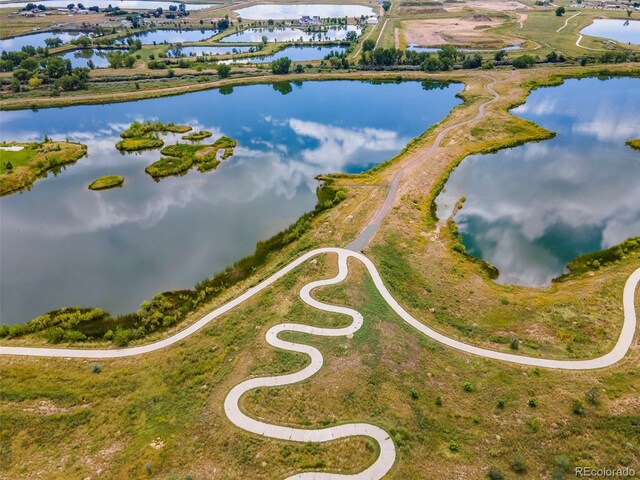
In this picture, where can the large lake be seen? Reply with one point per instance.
(275, 11)
(623, 31)
(63, 244)
(34, 40)
(287, 34)
(123, 4)
(533, 208)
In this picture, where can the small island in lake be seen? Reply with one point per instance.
(194, 136)
(21, 164)
(106, 182)
(144, 136)
(181, 157)
(634, 143)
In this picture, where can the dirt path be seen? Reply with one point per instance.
(566, 22)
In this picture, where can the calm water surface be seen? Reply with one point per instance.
(287, 34)
(266, 12)
(623, 31)
(296, 54)
(173, 36)
(63, 244)
(532, 209)
(123, 4)
(34, 39)
(80, 58)
(200, 51)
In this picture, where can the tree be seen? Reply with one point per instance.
(560, 11)
(368, 45)
(224, 71)
(351, 36)
(499, 56)
(281, 66)
(52, 42)
(56, 67)
(472, 62)
(35, 82)
(386, 5)
(523, 61)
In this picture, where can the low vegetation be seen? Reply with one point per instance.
(195, 136)
(596, 260)
(19, 169)
(634, 143)
(181, 157)
(152, 141)
(106, 182)
(144, 136)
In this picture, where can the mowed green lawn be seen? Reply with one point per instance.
(17, 159)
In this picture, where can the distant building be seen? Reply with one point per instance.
(307, 20)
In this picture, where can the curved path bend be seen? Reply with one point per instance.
(387, 455)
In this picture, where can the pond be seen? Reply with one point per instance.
(123, 4)
(296, 54)
(208, 50)
(154, 37)
(81, 58)
(532, 209)
(275, 11)
(64, 245)
(287, 34)
(34, 40)
(623, 31)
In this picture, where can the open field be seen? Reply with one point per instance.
(161, 415)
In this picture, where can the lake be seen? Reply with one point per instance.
(205, 50)
(532, 209)
(34, 40)
(80, 58)
(64, 245)
(296, 54)
(274, 11)
(123, 4)
(287, 34)
(172, 36)
(623, 31)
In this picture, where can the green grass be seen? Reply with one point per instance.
(169, 166)
(195, 136)
(634, 143)
(139, 143)
(138, 130)
(106, 182)
(34, 162)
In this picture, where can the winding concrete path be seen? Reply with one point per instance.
(566, 22)
(387, 455)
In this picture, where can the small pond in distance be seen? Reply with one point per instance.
(623, 31)
(296, 54)
(34, 39)
(64, 245)
(532, 209)
(80, 58)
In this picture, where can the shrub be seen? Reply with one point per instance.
(518, 464)
(438, 400)
(96, 368)
(495, 474)
(514, 343)
(453, 446)
(577, 407)
(523, 61)
(468, 387)
(501, 404)
(593, 396)
(533, 403)
(414, 394)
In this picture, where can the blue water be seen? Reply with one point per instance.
(113, 249)
(199, 51)
(532, 209)
(296, 54)
(34, 39)
(173, 36)
(623, 31)
(287, 34)
(279, 11)
(80, 58)
(123, 4)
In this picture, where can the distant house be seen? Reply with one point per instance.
(372, 21)
(307, 20)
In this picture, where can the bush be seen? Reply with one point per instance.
(414, 394)
(438, 400)
(518, 464)
(96, 368)
(468, 387)
(453, 446)
(533, 403)
(501, 404)
(514, 344)
(593, 396)
(281, 66)
(524, 61)
(577, 407)
(495, 474)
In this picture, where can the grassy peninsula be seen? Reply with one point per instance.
(106, 182)
(21, 164)
(634, 143)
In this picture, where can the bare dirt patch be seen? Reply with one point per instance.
(495, 5)
(472, 32)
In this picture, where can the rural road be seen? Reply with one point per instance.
(387, 455)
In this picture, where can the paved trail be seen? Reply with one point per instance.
(387, 455)
(566, 22)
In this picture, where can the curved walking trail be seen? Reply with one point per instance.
(387, 455)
